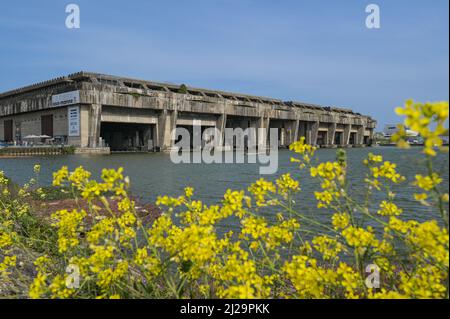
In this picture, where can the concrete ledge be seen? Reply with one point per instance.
(224, 148)
(93, 150)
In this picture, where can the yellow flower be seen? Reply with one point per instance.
(109, 276)
(444, 198)
(255, 227)
(388, 171)
(260, 190)
(5, 239)
(60, 176)
(8, 262)
(188, 192)
(286, 184)
(309, 280)
(328, 247)
(69, 225)
(244, 291)
(420, 117)
(420, 197)
(58, 288)
(169, 201)
(301, 148)
(350, 280)
(340, 220)
(427, 183)
(372, 159)
(233, 204)
(332, 175)
(426, 283)
(42, 263)
(3, 179)
(38, 287)
(359, 237)
(389, 209)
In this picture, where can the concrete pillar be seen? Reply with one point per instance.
(149, 143)
(155, 134)
(167, 122)
(302, 130)
(312, 132)
(331, 133)
(308, 138)
(136, 139)
(371, 136)
(196, 135)
(346, 136)
(221, 125)
(282, 136)
(161, 128)
(296, 131)
(360, 135)
(291, 132)
(95, 114)
(263, 123)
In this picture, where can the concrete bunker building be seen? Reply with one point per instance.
(90, 111)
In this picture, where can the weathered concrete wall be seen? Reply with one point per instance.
(30, 123)
(126, 115)
(111, 99)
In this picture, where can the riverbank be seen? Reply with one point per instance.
(27, 151)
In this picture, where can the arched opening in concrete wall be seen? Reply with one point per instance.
(128, 137)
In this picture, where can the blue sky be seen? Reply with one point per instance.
(313, 51)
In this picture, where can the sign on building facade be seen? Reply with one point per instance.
(73, 118)
(67, 98)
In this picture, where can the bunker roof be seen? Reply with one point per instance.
(98, 78)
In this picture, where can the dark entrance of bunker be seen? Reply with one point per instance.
(128, 137)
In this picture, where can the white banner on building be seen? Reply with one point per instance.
(66, 98)
(73, 118)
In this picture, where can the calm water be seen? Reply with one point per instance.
(154, 174)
